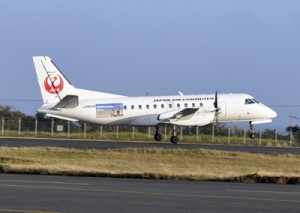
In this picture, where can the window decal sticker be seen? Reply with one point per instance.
(109, 110)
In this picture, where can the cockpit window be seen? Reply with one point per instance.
(251, 101)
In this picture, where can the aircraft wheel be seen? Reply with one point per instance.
(252, 135)
(158, 137)
(174, 139)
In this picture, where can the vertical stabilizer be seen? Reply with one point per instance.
(53, 84)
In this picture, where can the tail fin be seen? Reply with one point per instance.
(53, 84)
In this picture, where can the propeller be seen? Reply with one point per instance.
(216, 105)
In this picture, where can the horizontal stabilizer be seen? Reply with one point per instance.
(62, 117)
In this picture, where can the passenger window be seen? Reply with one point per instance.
(185, 105)
(147, 106)
(170, 106)
(140, 106)
(201, 104)
(162, 106)
(178, 105)
(125, 107)
(132, 106)
(193, 105)
(154, 106)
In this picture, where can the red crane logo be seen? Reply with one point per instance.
(54, 83)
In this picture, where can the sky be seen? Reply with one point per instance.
(157, 47)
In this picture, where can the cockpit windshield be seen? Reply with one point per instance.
(251, 101)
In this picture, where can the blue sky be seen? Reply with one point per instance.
(155, 46)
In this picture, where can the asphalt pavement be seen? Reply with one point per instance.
(45, 194)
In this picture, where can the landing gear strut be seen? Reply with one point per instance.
(174, 138)
(252, 134)
(157, 135)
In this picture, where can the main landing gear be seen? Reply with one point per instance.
(174, 138)
(158, 136)
(252, 134)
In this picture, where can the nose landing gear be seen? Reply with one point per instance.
(252, 134)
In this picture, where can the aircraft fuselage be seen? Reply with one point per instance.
(144, 111)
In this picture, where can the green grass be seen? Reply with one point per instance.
(153, 163)
(139, 136)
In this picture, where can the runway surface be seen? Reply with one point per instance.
(87, 144)
(31, 194)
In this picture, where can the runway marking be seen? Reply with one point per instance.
(25, 211)
(266, 192)
(155, 193)
(47, 182)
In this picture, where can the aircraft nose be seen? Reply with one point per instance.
(271, 113)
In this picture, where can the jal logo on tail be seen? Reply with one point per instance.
(54, 83)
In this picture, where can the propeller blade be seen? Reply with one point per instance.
(216, 105)
(216, 101)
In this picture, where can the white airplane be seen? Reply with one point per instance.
(62, 100)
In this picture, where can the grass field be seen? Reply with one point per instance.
(139, 136)
(153, 163)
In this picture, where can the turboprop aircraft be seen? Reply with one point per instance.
(62, 100)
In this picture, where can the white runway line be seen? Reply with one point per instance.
(265, 192)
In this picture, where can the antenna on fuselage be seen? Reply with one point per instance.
(180, 93)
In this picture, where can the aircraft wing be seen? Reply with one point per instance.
(176, 114)
(188, 117)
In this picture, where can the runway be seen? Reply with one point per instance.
(88, 144)
(45, 194)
